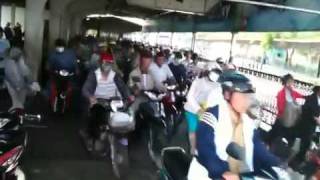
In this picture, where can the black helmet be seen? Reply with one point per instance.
(235, 82)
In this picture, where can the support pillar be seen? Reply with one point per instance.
(193, 41)
(34, 22)
(76, 26)
(58, 20)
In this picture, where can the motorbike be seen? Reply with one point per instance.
(154, 114)
(61, 91)
(13, 141)
(117, 125)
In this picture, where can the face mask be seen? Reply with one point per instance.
(60, 49)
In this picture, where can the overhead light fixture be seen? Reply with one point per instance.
(134, 20)
(183, 12)
(276, 6)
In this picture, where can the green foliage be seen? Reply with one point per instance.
(267, 41)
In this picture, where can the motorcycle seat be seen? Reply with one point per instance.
(176, 162)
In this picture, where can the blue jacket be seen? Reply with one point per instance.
(66, 60)
(207, 147)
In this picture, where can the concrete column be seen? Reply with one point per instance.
(34, 34)
(58, 20)
(75, 26)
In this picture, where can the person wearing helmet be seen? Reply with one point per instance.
(177, 68)
(203, 92)
(62, 58)
(103, 83)
(224, 123)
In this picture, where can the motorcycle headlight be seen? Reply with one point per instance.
(63, 73)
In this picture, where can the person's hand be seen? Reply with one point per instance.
(230, 176)
(93, 100)
(131, 99)
(317, 119)
(200, 112)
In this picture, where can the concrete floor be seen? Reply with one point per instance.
(57, 153)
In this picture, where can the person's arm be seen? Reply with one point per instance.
(281, 103)
(262, 157)
(296, 94)
(207, 155)
(89, 85)
(11, 74)
(122, 87)
(191, 97)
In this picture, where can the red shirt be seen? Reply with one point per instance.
(281, 99)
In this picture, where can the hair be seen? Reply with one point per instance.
(194, 56)
(286, 78)
(145, 54)
(316, 89)
(178, 55)
(60, 42)
(160, 54)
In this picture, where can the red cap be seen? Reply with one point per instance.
(106, 58)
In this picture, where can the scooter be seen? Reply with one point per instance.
(157, 130)
(13, 141)
(118, 123)
(61, 91)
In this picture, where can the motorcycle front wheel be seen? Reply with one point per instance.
(119, 157)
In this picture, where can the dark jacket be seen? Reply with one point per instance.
(90, 86)
(310, 109)
(179, 72)
(66, 60)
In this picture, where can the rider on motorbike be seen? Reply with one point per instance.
(140, 79)
(224, 123)
(103, 83)
(177, 68)
(62, 58)
(198, 99)
(160, 71)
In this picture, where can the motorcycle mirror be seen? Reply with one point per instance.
(236, 151)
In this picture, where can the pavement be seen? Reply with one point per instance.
(57, 153)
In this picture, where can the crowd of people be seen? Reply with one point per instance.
(216, 107)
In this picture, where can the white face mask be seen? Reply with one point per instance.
(213, 76)
(60, 49)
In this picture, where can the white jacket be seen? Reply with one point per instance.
(203, 91)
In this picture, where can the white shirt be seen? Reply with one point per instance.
(146, 80)
(288, 96)
(106, 88)
(160, 74)
(203, 92)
